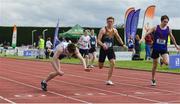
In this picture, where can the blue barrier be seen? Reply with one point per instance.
(174, 61)
(27, 53)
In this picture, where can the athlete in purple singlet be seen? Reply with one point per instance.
(161, 33)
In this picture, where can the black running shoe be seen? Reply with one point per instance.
(44, 86)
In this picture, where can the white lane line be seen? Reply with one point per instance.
(77, 94)
(102, 94)
(9, 101)
(90, 94)
(28, 85)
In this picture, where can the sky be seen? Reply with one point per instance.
(87, 13)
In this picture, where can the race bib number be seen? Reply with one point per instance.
(85, 44)
(161, 41)
(108, 44)
(93, 43)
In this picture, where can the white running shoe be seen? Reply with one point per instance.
(91, 66)
(109, 82)
(153, 83)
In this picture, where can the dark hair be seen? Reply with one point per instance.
(71, 48)
(110, 18)
(49, 38)
(164, 17)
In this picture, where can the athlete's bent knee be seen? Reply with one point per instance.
(60, 73)
(166, 62)
(112, 62)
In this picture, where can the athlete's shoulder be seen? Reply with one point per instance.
(115, 30)
(170, 30)
(168, 27)
(103, 29)
(89, 37)
(82, 37)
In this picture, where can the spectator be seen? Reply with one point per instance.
(41, 47)
(148, 45)
(5, 45)
(131, 44)
(48, 47)
(137, 45)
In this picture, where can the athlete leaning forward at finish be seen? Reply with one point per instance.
(61, 51)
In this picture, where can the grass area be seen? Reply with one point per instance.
(134, 65)
(144, 65)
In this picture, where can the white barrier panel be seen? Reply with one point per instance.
(20, 52)
(172, 48)
(10, 52)
(1, 49)
(123, 56)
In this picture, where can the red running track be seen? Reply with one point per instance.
(20, 83)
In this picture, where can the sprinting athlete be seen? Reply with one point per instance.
(84, 46)
(106, 41)
(92, 50)
(161, 33)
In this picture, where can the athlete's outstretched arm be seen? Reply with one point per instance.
(96, 41)
(119, 39)
(149, 32)
(81, 59)
(173, 39)
(80, 41)
(89, 44)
